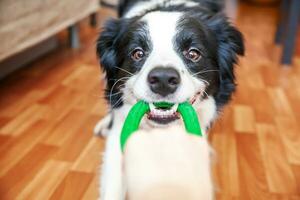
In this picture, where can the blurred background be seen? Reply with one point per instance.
(51, 98)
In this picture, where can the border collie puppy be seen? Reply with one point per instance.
(163, 51)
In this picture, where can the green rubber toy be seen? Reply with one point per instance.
(137, 112)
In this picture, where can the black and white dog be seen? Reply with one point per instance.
(164, 50)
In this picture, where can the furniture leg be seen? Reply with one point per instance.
(291, 32)
(74, 40)
(93, 20)
(284, 9)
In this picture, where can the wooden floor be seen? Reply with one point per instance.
(48, 110)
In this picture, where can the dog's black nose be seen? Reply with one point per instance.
(163, 81)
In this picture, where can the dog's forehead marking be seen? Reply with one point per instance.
(162, 32)
(162, 25)
(142, 7)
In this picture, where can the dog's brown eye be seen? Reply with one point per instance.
(193, 54)
(137, 54)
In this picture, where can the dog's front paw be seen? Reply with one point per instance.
(103, 126)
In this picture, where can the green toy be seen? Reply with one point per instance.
(137, 112)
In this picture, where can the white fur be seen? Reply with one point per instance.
(162, 28)
(207, 111)
(101, 127)
(112, 178)
(183, 171)
(112, 186)
(141, 7)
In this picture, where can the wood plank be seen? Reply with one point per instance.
(93, 190)
(281, 105)
(226, 197)
(98, 108)
(16, 149)
(65, 129)
(296, 170)
(43, 185)
(255, 81)
(289, 130)
(75, 144)
(55, 97)
(244, 119)
(12, 109)
(90, 158)
(78, 180)
(226, 121)
(24, 120)
(263, 113)
(225, 163)
(252, 175)
(4, 121)
(81, 78)
(93, 98)
(4, 140)
(24, 171)
(293, 96)
(275, 161)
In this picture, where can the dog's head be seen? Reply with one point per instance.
(169, 57)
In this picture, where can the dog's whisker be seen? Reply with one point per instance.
(111, 91)
(202, 72)
(119, 87)
(124, 70)
(117, 102)
(205, 93)
(113, 106)
(115, 79)
(122, 98)
(114, 94)
(206, 82)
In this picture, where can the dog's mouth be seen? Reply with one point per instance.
(167, 112)
(163, 114)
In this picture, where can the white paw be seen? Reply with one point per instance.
(102, 127)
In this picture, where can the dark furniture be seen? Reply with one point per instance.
(286, 33)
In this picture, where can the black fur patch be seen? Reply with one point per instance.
(220, 43)
(114, 46)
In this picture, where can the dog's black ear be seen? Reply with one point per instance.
(108, 50)
(107, 45)
(230, 41)
(230, 45)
